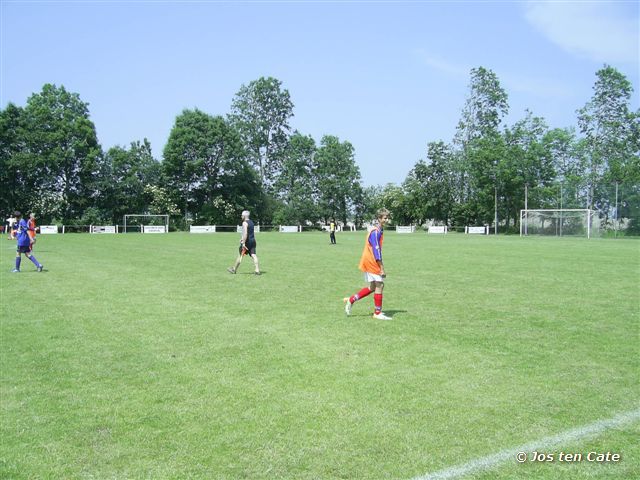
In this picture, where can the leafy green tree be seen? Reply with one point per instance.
(527, 168)
(485, 107)
(124, 175)
(17, 178)
(261, 112)
(609, 128)
(430, 187)
(368, 203)
(295, 185)
(160, 201)
(58, 148)
(569, 165)
(337, 178)
(204, 162)
(393, 198)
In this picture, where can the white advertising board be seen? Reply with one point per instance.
(154, 229)
(202, 229)
(103, 229)
(438, 229)
(48, 229)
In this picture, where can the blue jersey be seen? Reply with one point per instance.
(375, 240)
(23, 234)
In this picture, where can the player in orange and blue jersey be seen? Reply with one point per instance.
(24, 244)
(31, 223)
(373, 267)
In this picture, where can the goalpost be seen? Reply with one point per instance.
(557, 222)
(147, 223)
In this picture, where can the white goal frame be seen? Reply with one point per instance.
(524, 215)
(166, 221)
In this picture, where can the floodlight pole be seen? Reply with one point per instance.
(615, 225)
(495, 209)
(560, 209)
(526, 207)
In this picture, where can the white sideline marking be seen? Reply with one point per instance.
(487, 462)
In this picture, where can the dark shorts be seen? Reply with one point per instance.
(250, 248)
(26, 249)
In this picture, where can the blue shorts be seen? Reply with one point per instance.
(26, 249)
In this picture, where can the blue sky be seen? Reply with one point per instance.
(387, 76)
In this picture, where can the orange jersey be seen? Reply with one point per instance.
(31, 223)
(372, 252)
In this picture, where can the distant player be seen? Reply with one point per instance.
(11, 226)
(332, 231)
(31, 223)
(24, 243)
(373, 267)
(247, 244)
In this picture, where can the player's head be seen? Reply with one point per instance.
(32, 215)
(245, 214)
(383, 215)
(17, 214)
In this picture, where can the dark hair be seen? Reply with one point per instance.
(17, 214)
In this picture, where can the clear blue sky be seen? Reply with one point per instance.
(387, 76)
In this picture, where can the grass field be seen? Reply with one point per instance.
(139, 356)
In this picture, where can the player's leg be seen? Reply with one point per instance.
(234, 269)
(241, 252)
(256, 264)
(18, 260)
(349, 301)
(35, 262)
(377, 301)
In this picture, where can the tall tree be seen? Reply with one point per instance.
(608, 126)
(295, 185)
(62, 149)
(568, 163)
(204, 166)
(17, 179)
(485, 107)
(337, 178)
(429, 186)
(124, 175)
(527, 168)
(261, 112)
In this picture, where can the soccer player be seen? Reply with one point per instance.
(31, 223)
(332, 231)
(247, 244)
(373, 267)
(11, 222)
(24, 244)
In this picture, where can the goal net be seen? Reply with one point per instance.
(559, 222)
(145, 223)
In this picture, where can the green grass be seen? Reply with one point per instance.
(139, 356)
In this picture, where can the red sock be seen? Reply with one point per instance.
(377, 300)
(361, 294)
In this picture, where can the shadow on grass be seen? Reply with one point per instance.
(393, 312)
(390, 313)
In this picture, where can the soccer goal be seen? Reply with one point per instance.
(557, 222)
(146, 223)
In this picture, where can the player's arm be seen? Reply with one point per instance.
(374, 240)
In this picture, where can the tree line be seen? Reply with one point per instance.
(214, 166)
(490, 165)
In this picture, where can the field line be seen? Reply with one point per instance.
(484, 463)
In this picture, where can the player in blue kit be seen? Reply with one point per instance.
(24, 243)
